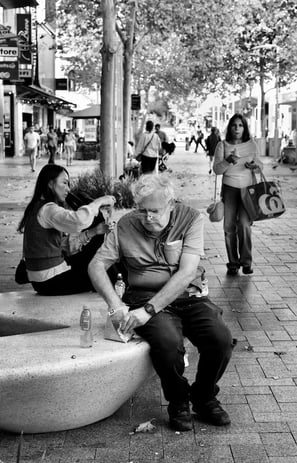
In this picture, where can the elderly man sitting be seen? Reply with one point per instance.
(160, 243)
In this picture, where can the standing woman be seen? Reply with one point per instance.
(52, 143)
(148, 148)
(47, 226)
(235, 158)
(69, 146)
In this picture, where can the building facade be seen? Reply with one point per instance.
(27, 71)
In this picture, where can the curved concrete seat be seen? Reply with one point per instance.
(47, 381)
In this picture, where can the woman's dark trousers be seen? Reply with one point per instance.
(237, 229)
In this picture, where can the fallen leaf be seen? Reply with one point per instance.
(249, 348)
(147, 426)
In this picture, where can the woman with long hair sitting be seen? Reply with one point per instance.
(48, 226)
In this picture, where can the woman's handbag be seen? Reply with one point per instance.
(262, 200)
(21, 275)
(216, 209)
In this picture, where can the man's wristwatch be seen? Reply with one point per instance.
(150, 309)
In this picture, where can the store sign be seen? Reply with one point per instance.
(90, 130)
(24, 36)
(25, 73)
(9, 70)
(61, 84)
(9, 50)
(135, 102)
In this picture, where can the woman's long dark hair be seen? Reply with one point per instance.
(246, 136)
(42, 190)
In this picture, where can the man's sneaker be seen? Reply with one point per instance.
(180, 417)
(213, 413)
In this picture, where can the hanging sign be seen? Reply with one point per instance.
(24, 36)
(9, 70)
(5, 32)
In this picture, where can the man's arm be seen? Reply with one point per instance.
(107, 255)
(167, 294)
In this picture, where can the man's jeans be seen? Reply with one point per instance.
(237, 229)
(201, 322)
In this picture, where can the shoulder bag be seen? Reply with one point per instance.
(21, 275)
(263, 200)
(216, 209)
(139, 156)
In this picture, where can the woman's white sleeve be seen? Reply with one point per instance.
(53, 216)
(220, 165)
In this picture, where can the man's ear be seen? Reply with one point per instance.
(172, 204)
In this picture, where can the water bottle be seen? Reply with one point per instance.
(203, 290)
(120, 286)
(86, 336)
(204, 285)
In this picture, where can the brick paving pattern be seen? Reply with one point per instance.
(259, 388)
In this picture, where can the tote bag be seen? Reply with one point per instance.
(263, 200)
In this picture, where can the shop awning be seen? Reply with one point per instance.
(92, 112)
(33, 94)
(17, 3)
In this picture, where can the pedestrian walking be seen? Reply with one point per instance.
(160, 244)
(192, 137)
(43, 142)
(199, 138)
(163, 138)
(52, 143)
(31, 142)
(211, 142)
(235, 158)
(148, 148)
(60, 143)
(69, 146)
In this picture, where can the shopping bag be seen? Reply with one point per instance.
(263, 200)
(113, 332)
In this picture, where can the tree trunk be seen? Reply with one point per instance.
(127, 65)
(128, 55)
(107, 113)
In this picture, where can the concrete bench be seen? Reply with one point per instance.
(47, 381)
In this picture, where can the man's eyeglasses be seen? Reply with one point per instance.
(151, 212)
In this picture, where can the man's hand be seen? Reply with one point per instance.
(134, 319)
(119, 315)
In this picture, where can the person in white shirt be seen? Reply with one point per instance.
(31, 141)
(148, 148)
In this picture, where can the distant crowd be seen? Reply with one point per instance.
(51, 143)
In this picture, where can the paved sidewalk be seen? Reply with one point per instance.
(259, 389)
